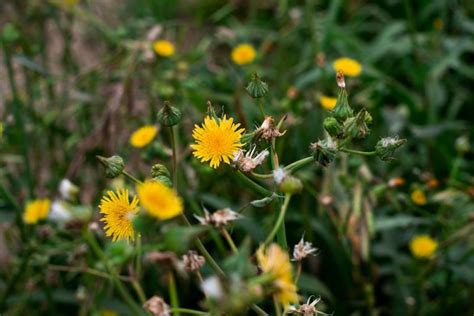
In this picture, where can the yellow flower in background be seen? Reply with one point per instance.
(164, 48)
(159, 200)
(216, 140)
(243, 54)
(275, 261)
(327, 102)
(118, 214)
(348, 66)
(418, 197)
(108, 312)
(71, 3)
(36, 210)
(423, 246)
(143, 136)
(438, 24)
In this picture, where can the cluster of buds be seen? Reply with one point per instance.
(247, 162)
(219, 218)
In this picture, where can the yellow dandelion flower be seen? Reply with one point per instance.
(327, 102)
(36, 210)
(243, 54)
(143, 136)
(159, 200)
(275, 261)
(418, 197)
(423, 246)
(350, 67)
(118, 214)
(216, 140)
(164, 48)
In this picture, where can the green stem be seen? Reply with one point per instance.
(260, 106)
(227, 237)
(299, 164)
(176, 310)
(128, 175)
(173, 146)
(357, 152)
(257, 187)
(277, 306)
(173, 293)
(279, 221)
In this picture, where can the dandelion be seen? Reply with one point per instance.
(164, 48)
(275, 261)
(118, 214)
(423, 246)
(143, 136)
(159, 200)
(243, 54)
(327, 102)
(36, 210)
(217, 140)
(418, 197)
(348, 66)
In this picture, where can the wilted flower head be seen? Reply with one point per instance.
(219, 218)
(157, 306)
(192, 262)
(307, 309)
(268, 130)
(248, 162)
(324, 151)
(303, 249)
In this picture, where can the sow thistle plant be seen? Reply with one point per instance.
(154, 210)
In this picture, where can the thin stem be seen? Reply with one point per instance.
(173, 292)
(227, 237)
(299, 164)
(87, 270)
(139, 290)
(173, 146)
(176, 310)
(128, 175)
(298, 272)
(276, 304)
(138, 262)
(257, 187)
(260, 106)
(358, 152)
(279, 221)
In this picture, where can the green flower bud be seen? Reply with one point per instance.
(113, 165)
(169, 115)
(164, 179)
(324, 151)
(256, 87)
(333, 127)
(291, 185)
(159, 170)
(386, 147)
(356, 126)
(342, 110)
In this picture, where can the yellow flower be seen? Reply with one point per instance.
(216, 140)
(143, 136)
(36, 210)
(423, 246)
(438, 24)
(418, 197)
(243, 54)
(164, 48)
(327, 102)
(71, 3)
(276, 262)
(348, 66)
(118, 214)
(159, 200)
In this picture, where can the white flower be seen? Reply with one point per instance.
(59, 212)
(68, 190)
(212, 287)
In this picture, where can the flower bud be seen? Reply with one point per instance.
(113, 165)
(324, 151)
(333, 127)
(256, 87)
(291, 185)
(342, 110)
(356, 126)
(386, 147)
(159, 170)
(169, 115)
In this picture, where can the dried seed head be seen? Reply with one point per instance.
(303, 249)
(248, 162)
(268, 130)
(219, 218)
(157, 306)
(307, 309)
(341, 83)
(192, 262)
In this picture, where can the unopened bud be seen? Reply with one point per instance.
(256, 87)
(386, 147)
(113, 165)
(333, 127)
(159, 170)
(324, 151)
(169, 115)
(342, 110)
(291, 185)
(356, 126)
